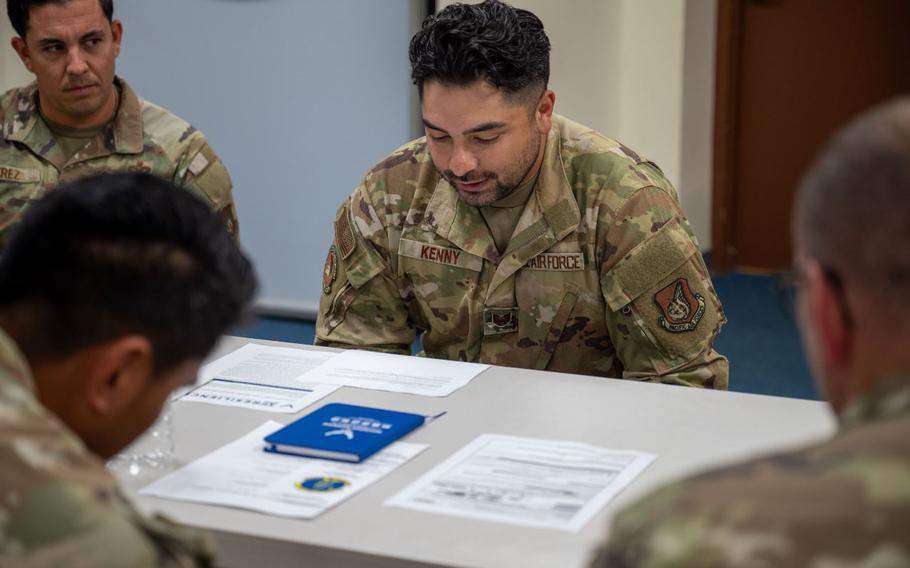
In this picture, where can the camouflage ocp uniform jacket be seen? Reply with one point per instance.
(59, 506)
(843, 503)
(602, 275)
(142, 137)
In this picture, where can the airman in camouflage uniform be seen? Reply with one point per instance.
(602, 274)
(844, 502)
(142, 137)
(59, 506)
(512, 236)
(136, 281)
(78, 118)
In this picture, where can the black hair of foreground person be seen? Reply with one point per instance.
(121, 254)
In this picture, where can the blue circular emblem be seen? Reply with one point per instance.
(322, 484)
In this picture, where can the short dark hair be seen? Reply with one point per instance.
(852, 213)
(492, 41)
(122, 254)
(18, 11)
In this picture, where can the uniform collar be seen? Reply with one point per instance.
(128, 134)
(23, 123)
(13, 363)
(889, 398)
(550, 215)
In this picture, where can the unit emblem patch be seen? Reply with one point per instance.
(681, 309)
(330, 272)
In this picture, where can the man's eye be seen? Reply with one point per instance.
(489, 140)
(52, 48)
(93, 42)
(439, 138)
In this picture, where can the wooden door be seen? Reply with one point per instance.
(789, 74)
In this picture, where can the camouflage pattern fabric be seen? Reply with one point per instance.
(58, 504)
(844, 503)
(142, 137)
(602, 275)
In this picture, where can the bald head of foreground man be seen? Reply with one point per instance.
(846, 501)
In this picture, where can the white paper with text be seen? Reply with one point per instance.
(240, 474)
(525, 481)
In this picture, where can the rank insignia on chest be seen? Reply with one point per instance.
(330, 272)
(681, 309)
(497, 321)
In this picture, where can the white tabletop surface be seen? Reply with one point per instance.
(688, 429)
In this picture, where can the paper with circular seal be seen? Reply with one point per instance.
(322, 484)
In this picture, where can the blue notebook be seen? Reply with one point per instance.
(343, 432)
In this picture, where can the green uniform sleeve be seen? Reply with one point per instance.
(361, 304)
(65, 524)
(202, 172)
(662, 311)
(634, 543)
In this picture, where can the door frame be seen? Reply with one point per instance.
(726, 107)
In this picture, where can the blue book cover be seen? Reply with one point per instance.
(343, 432)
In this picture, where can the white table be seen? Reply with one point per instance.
(688, 429)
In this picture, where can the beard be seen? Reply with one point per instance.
(504, 183)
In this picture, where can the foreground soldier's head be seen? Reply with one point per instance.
(115, 288)
(482, 73)
(852, 242)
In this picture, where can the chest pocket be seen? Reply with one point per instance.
(18, 187)
(445, 284)
(551, 293)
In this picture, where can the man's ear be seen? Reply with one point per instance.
(826, 306)
(120, 372)
(21, 48)
(543, 114)
(117, 33)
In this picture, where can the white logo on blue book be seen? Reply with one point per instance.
(347, 425)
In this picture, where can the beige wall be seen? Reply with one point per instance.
(697, 129)
(12, 73)
(641, 71)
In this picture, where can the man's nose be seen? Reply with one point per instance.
(76, 63)
(462, 161)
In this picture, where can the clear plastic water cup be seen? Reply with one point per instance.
(150, 455)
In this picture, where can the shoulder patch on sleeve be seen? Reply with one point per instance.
(198, 164)
(344, 235)
(681, 309)
(208, 173)
(330, 271)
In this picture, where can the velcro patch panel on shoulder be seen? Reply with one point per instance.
(648, 263)
(440, 255)
(198, 164)
(344, 235)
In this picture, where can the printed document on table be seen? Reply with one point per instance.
(525, 481)
(261, 377)
(240, 474)
(255, 396)
(396, 373)
(265, 364)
